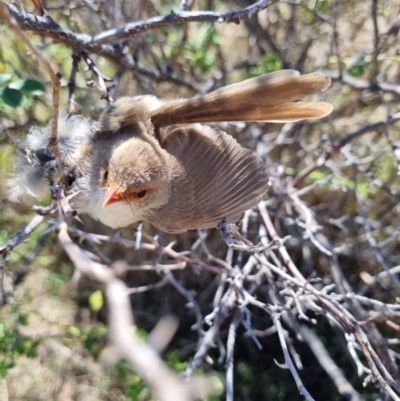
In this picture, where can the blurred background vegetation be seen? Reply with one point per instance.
(53, 335)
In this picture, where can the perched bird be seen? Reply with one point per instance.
(126, 168)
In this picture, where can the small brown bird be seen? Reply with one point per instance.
(126, 169)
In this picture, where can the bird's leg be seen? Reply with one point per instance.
(227, 230)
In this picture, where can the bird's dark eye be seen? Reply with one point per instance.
(142, 194)
(105, 175)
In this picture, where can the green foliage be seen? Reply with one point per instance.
(175, 363)
(13, 93)
(265, 384)
(3, 236)
(199, 46)
(54, 280)
(290, 171)
(140, 333)
(357, 68)
(96, 300)
(4, 78)
(133, 387)
(318, 175)
(93, 337)
(12, 345)
(198, 50)
(46, 258)
(346, 182)
(218, 389)
(12, 97)
(313, 7)
(320, 5)
(191, 52)
(343, 181)
(29, 86)
(18, 255)
(386, 168)
(268, 63)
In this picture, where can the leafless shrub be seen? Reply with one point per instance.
(332, 210)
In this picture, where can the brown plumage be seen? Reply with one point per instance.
(194, 176)
(130, 169)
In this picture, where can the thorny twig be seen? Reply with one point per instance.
(327, 154)
(71, 84)
(273, 279)
(102, 79)
(135, 28)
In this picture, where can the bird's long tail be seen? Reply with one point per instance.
(271, 97)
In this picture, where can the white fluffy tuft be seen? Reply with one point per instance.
(27, 184)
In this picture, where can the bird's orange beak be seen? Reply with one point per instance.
(112, 196)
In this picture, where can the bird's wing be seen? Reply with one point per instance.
(271, 97)
(225, 178)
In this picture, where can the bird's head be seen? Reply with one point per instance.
(121, 178)
(137, 173)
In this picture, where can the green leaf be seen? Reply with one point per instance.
(3, 236)
(5, 78)
(23, 319)
(74, 331)
(318, 175)
(358, 70)
(268, 63)
(363, 190)
(12, 97)
(30, 86)
(96, 300)
(290, 171)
